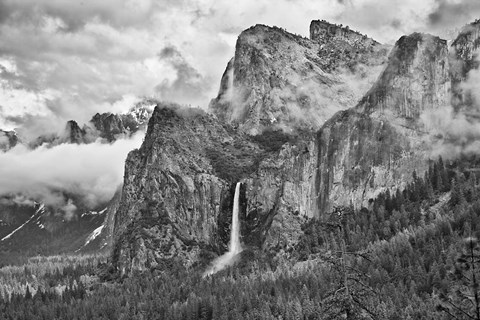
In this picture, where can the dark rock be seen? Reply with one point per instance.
(281, 80)
(177, 189)
(8, 140)
(377, 144)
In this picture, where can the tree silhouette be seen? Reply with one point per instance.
(351, 296)
(463, 300)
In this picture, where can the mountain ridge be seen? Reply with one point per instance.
(372, 146)
(278, 79)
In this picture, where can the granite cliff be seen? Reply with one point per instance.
(278, 79)
(465, 60)
(178, 186)
(377, 144)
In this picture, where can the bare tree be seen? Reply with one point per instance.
(463, 301)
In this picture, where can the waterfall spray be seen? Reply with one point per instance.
(234, 246)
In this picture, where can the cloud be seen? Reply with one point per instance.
(471, 88)
(68, 60)
(76, 14)
(69, 209)
(456, 129)
(4, 140)
(454, 133)
(188, 87)
(449, 14)
(386, 21)
(90, 172)
(63, 59)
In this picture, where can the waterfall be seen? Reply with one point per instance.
(234, 247)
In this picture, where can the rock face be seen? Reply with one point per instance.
(113, 126)
(280, 195)
(74, 134)
(104, 127)
(323, 31)
(179, 186)
(378, 144)
(465, 60)
(416, 79)
(278, 79)
(176, 189)
(107, 126)
(8, 140)
(342, 49)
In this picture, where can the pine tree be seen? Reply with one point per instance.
(437, 178)
(444, 175)
(388, 201)
(28, 294)
(399, 199)
(428, 187)
(457, 197)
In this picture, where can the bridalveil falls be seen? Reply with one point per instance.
(234, 247)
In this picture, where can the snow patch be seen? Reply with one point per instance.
(93, 213)
(94, 235)
(40, 210)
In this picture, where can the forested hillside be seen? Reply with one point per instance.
(412, 254)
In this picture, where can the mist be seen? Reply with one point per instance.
(62, 60)
(453, 133)
(91, 172)
(456, 130)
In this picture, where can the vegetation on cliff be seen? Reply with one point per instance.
(396, 260)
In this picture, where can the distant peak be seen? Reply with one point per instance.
(72, 123)
(468, 33)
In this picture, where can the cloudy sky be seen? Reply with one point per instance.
(63, 59)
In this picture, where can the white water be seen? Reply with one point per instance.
(234, 247)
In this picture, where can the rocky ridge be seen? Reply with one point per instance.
(44, 235)
(278, 79)
(174, 189)
(373, 145)
(103, 127)
(8, 140)
(378, 144)
(465, 57)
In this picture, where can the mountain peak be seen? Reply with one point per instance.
(324, 31)
(8, 140)
(284, 81)
(416, 78)
(73, 133)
